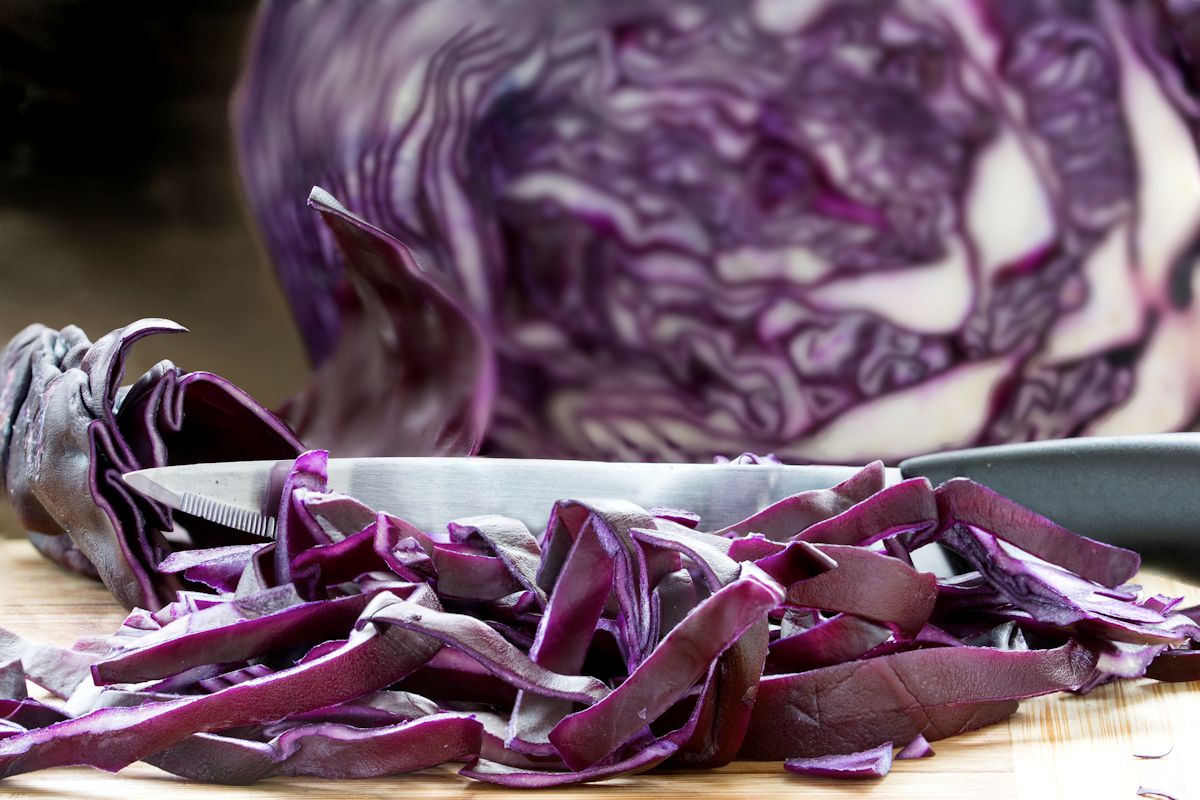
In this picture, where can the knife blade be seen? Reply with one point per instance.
(1140, 492)
(429, 492)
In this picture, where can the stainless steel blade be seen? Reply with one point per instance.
(429, 492)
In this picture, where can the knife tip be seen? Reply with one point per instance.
(143, 481)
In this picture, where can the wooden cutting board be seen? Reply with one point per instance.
(1055, 747)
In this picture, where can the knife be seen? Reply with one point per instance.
(1141, 492)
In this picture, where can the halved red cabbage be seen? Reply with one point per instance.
(689, 230)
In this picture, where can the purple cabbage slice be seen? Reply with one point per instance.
(470, 575)
(585, 737)
(30, 714)
(923, 692)
(326, 750)
(512, 543)
(589, 552)
(485, 645)
(869, 585)
(12, 680)
(873, 763)
(792, 516)
(111, 738)
(726, 703)
(56, 670)
(392, 314)
(644, 758)
(239, 640)
(905, 509)
(1055, 596)
(964, 501)
(842, 637)
(917, 748)
(1175, 666)
(218, 568)
(1154, 794)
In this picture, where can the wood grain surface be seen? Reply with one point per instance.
(1055, 747)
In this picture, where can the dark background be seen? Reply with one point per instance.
(119, 196)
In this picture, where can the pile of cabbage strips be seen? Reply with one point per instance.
(357, 645)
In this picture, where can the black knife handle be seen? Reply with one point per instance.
(1140, 492)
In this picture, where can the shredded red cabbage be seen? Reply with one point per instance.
(616, 640)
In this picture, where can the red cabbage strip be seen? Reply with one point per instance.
(1125, 660)
(317, 568)
(453, 678)
(704, 550)
(30, 713)
(589, 553)
(782, 520)
(1145, 791)
(724, 708)
(344, 514)
(1175, 666)
(725, 705)
(561, 642)
(873, 763)
(796, 562)
(56, 670)
(219, 568)
(674, 597)
(917, 748)
(585, 737)
(495, 730)
(1052, 595)
(327, 750)
(643, 759)
(297, 530)
(908, 508)
(820, 712)
(12, 679)
(843, 637)
(112, 738)
(472, 576)
(512, 543)
(964, 501)
(259, 575)
(612, 523)
(222, 680)
(483, 643)
(372, 710)
(406, 550)
(867, 584)
(384, 542)
(239, 640)
(646, 755)
(401, 327)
